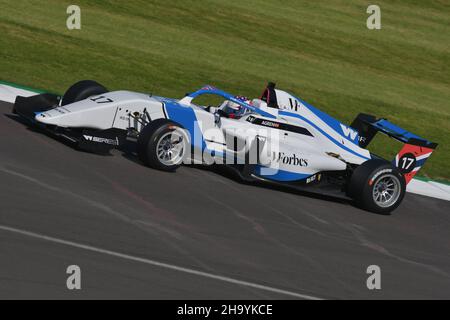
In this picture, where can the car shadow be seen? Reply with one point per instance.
(231, 174)
(228, 173)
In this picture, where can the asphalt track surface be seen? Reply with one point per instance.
(197, 234)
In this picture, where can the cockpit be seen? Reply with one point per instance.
(235, 107)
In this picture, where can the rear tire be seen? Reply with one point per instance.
(162, 145)
(82, 90)
(377, 186)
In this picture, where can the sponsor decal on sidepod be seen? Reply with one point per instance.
(102, 140)
(290, 160)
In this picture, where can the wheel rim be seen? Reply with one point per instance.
(170, 148)
(386, 190)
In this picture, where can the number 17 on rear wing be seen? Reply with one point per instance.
(415, 152)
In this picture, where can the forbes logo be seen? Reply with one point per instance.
(349, 132)
(289, 160)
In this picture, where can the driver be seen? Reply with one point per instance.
(233, 110)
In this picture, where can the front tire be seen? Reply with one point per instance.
(162, 145)
(82, 90)
(377, 186)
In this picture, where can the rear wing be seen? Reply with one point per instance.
(411, 157)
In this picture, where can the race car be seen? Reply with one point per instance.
(276, 138)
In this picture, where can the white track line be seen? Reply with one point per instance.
(158, 264)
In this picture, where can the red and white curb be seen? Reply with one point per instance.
(9, 92)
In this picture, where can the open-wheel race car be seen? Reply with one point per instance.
(277, 138)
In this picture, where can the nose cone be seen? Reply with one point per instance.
(45, 118)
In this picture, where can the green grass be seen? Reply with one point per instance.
(319, 50)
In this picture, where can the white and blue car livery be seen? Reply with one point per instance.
(276, 138)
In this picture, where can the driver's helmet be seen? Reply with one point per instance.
(234, 110)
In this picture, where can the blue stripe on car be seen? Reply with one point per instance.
(185, 116)
(332, 122)
(280, 175)
(421, 162)
(286, 113)
(385, 125)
